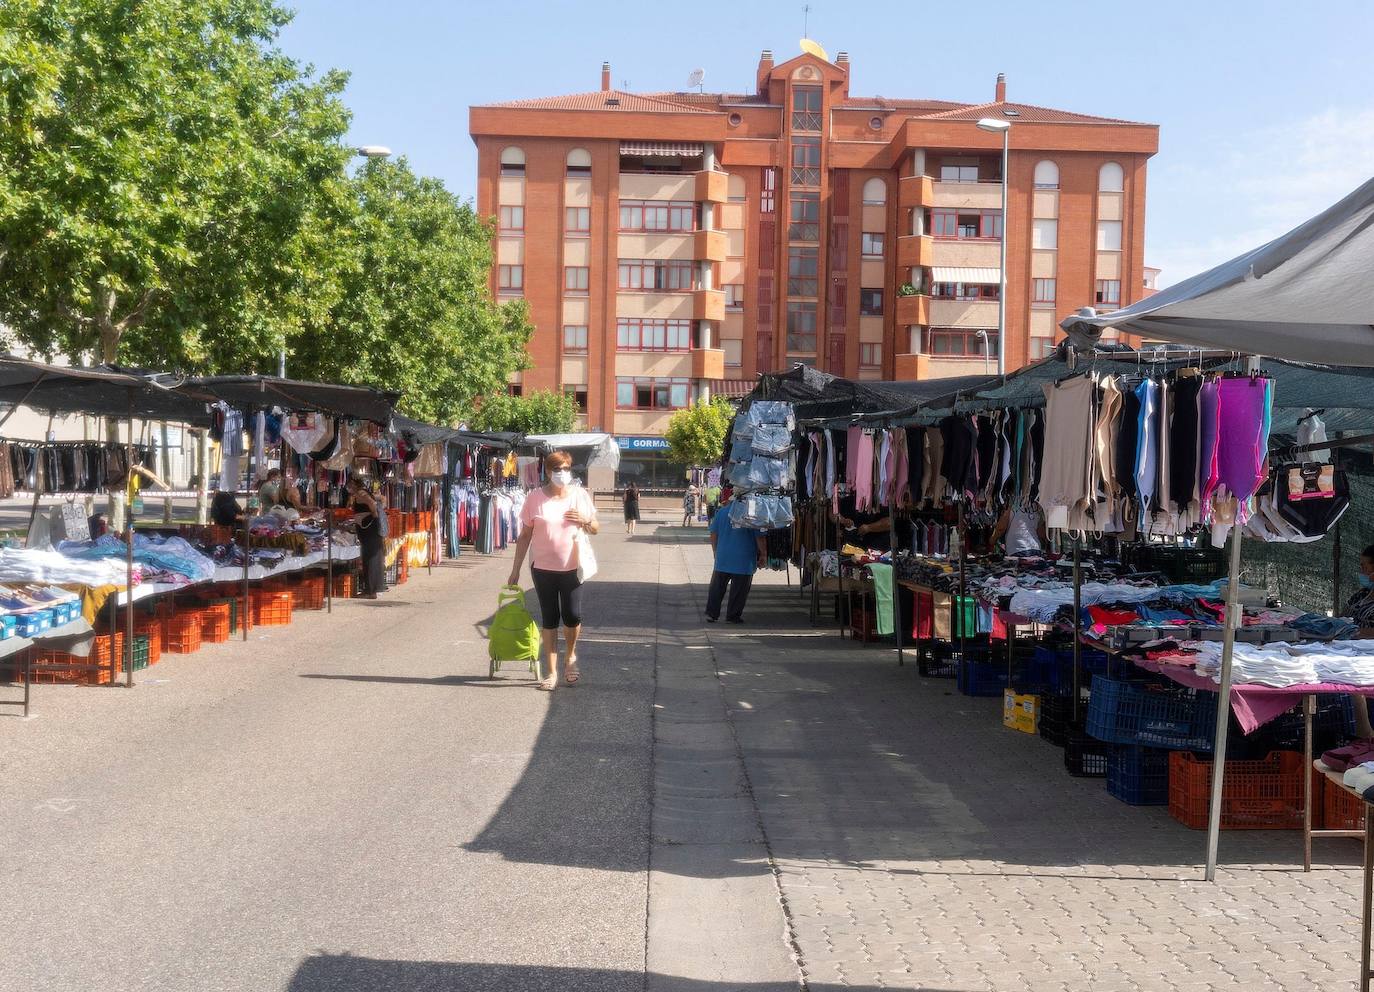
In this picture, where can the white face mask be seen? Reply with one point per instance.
(561, 477)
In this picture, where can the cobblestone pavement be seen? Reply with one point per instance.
(921, 845)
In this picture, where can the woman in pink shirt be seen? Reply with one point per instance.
(550, 521)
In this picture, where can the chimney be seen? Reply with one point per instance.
(1001, 87)
(605, 77)
(765, 68)
(842, 60)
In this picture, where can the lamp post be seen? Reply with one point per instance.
(987, 348)
(363, 151)
(994, 126)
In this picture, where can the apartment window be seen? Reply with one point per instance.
(871, 244)
(768, 192)
(1108, 291)
(1111, 178)
(576, 280)
(651, 394)
(806, 108)
(871, 302)
(1041, 348)
(805, 211)
(875, 192)
(652, 334)
(579, 164)
(801, 327)
(871, 355)
(574, 339)
(806, 161)
(515, 389)
(1109, 235)
(1042, 290)
(953, 342)
(803, 267)
(965, 291)
(959, 171)
(510, 279)
(734, 296)
(513, 162)
(736, 190)
(1045, 234)
(734, 352)
(647, 275)
(966, 225)
(577, 220)
(579, 395)
(657, 215)
(512, 218)
(1046, 175)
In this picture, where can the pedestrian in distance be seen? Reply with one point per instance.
(369, 518)
(689, 504)
(631, 501)
(739, 552)
(551, 520)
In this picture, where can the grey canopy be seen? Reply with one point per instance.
(1307, 296)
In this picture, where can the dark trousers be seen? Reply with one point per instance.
(739, 592)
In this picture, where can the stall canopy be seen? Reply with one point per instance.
(1306, 296)
(432, 434)
(102, 391)
(248, 391)
(820, 396)
(602, 451)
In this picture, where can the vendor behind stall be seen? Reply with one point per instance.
(1024, 530)
(274, 491)
(871, 530)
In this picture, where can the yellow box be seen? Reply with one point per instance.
(1020, 712)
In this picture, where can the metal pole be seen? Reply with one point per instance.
(1077, 624)
(1309, 707)
(329, 566)
(1336, 571)
(1002, 272)
(896, 589)
(958, 616)
(128, 556)
(1224, 707)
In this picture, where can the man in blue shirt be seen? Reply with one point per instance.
(739, 551)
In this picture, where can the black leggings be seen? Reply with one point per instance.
(560, 598)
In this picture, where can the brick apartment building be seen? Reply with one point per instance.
(674, 245)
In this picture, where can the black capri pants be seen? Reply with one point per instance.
(560, 598)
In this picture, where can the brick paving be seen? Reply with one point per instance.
(918, 844)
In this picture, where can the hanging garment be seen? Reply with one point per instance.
(1065, 480)
(1105, 437)
(851, 461)
(1147, 448)
(916, 462)
(936, 482)
(863, 469)
(1162, 501)
(1243, 417)
(1208, 405)
(1183, 446)
(901, 469)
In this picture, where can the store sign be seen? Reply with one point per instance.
(642, 443)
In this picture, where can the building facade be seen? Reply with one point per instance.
(673, 245)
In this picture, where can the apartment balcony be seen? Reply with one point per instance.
(914, 368)
(658, 245)
(913, 310)
(915, 250)
(708, 304)
(962, 313)
(970, 196)
(708, 363)
(658, 186)
(915, 191)
(710, 246)
(712, 186)
(964, 253)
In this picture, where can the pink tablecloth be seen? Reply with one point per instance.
(1253, 705)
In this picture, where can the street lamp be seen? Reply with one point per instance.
(987, 348)
(363, 151)
(993, 126)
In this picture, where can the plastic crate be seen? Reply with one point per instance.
(271, 609)
(1138, 775)
(9, 623)
(215, 627)
(1056, 719)
(1256, 795)
(1147, 713)
(1052, 668)
(981, 678)
(1332, 724)
(1185, 565)
(141, 652)
(151, 631)
(343, 585)
(1084, 756)
(1340, 809)
(33, 623)
(863, 625)
(308, 594)
(182, 633)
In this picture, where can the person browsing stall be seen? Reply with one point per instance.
(739, 552)
(367, 518)
(550, 522)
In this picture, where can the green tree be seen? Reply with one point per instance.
(541, 412)
(169, 181)
(696, 435)
(415, 311)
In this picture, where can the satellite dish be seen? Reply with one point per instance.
(814, 48)
(696, 77)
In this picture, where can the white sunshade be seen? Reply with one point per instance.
(660, 148)
(965, 274)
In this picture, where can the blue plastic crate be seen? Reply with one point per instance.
(1146, 713)
(1139, 775)
(981, 678)
(8, 624)
(1052, 668)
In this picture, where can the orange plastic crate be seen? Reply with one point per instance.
(308, 594)
(214, 623)
(1340, 810)
(152, 629)
(182, 633)
(343, 585)
(272, 609)
(100, 655)
(1256, 795)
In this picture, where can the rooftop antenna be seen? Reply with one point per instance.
(695, 78)
(806, 20)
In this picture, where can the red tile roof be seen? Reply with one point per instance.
(1020, 112)
(598, 101)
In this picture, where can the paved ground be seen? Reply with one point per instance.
(350, 804)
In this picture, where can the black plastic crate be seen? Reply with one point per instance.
(1084, 756)
(1139, 775)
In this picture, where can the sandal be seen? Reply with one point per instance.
(548, 684)
(572, 674)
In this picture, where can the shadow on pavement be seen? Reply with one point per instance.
(481, 681)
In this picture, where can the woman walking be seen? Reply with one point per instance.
(689, 504)
(367, 513)
(631, 499)
(551, 520)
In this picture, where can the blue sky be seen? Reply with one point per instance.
(1266, 109)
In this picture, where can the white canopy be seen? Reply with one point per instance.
(605, 453)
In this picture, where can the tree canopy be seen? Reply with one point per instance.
(696, 435)
(541, 412)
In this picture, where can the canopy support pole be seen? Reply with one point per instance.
(128, 554)
(1224, 705)
(329, 561)
(896, 589)
(1077, 624)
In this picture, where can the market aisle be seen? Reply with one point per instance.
(920, 845)
(344, 804)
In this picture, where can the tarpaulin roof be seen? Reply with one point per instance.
(101, 392)
(602, 450)
(248, 391)
(820, 396)
(433, 434)
(1307, 296)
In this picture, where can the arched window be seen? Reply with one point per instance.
(1046, 175)
(1111, 179)
(875, 191)
(513, 162)
(579, 163)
